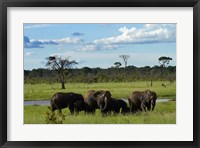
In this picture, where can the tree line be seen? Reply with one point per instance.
(96, 75)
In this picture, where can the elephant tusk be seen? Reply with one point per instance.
(106, 104)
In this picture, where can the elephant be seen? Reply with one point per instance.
(102, 99)
(90, 100)
(123, 106)
(96, 99)
(107, 104)
(140, 100)
(116, 105)
(80, 105)
(63, 100)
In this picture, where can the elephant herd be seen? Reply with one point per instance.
(102, 100)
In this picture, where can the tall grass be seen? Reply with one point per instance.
(164, 113)
(118, 90)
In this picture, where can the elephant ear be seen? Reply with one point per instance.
(147, 95)
(154, 95)
(97, 93)
(107, 94)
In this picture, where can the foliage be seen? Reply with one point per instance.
(54, 117)
(164, 113)
(117, 64)
(59, 64)
(98, 75)
(164, 61)
(125, 58)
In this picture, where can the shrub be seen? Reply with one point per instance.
(54, 117)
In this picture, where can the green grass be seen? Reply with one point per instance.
(164, 113)
(118, 90)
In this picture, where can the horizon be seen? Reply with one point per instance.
(101, 68)
(99, 45)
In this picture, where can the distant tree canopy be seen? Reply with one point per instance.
(125, 58)
(59, 64)
(117, 64)
(164, 61)
(96, 75)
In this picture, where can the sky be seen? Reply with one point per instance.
(99, 45)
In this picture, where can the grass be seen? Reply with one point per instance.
(118, 90)
(164, 113)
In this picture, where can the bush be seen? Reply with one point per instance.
(54, 117)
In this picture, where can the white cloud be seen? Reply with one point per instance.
(67, 40)
(93, 47)
(36, 26)
(29, 53)
(150, 33)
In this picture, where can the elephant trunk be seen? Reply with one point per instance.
(106, 104)
(153, 104)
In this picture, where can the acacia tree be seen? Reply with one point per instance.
(164, 61)
(59, 64)
(117, 64)
(125, 59)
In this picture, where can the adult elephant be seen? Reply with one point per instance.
(96, 99)
(108, 104)
(140, 100)
(63, 100)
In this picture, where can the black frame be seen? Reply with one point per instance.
(99, 3)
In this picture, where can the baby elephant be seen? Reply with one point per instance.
(119, 104)
(63, 100)
(115, 106)
(80, 105)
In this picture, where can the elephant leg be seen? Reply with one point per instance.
(103, 111)
(124, 111)
(153, 104)
(149, 107)
(71, 108)
(76, 111)
(143, 108)
(114, 111)
(93, 112)
(100, 106)
(90, 110)
(53, 109)
(108, 112)
(117, 111)
(131, 108)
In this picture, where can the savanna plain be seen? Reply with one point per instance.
(164, 112)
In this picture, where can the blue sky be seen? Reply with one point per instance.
(99, 45)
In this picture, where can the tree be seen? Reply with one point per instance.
(117, 64)
(125, 58)
(59, 64)
(164, 61)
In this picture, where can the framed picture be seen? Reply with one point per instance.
(103, 73)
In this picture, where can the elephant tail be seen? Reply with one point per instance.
(52, 102)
